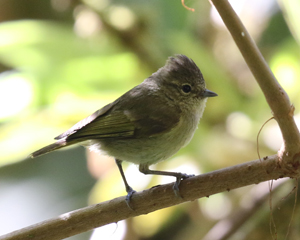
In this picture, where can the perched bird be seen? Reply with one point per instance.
(147, 124)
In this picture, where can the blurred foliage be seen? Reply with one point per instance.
(61, 60)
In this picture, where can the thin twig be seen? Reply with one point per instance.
(257, 137)
(294, 208)
(231, 225)
(272, 223)
(186, 7)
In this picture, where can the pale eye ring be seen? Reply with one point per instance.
(186, 88)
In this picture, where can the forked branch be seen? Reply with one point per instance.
(276, 97)
(285, 164)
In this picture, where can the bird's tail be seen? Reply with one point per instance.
(52, 147)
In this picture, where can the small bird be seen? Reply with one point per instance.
(147, 124)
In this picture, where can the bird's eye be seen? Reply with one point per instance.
(186, 88)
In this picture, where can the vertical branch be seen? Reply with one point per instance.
(276, 97)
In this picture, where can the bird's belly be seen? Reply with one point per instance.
(148, 150)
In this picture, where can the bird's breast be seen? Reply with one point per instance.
(152, 149)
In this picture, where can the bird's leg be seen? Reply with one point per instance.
(129, 190)
(144, 168)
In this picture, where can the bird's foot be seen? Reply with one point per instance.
(178, 181)
(130, 192)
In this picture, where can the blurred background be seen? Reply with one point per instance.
(61, 60)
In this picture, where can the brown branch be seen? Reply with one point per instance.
(151, 200)
(275, 95)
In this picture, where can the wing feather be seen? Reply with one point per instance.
(103, 123)
(114, 124)
(138, 113)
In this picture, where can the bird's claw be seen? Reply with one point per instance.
(178, 181)
(185, 176)
(130, 192)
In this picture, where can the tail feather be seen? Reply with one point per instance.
(52, 147)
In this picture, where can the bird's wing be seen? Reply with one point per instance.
(112, 125)
(137, 115)
(102, 123)
(152, 113)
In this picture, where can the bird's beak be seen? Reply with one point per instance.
(208, 93)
